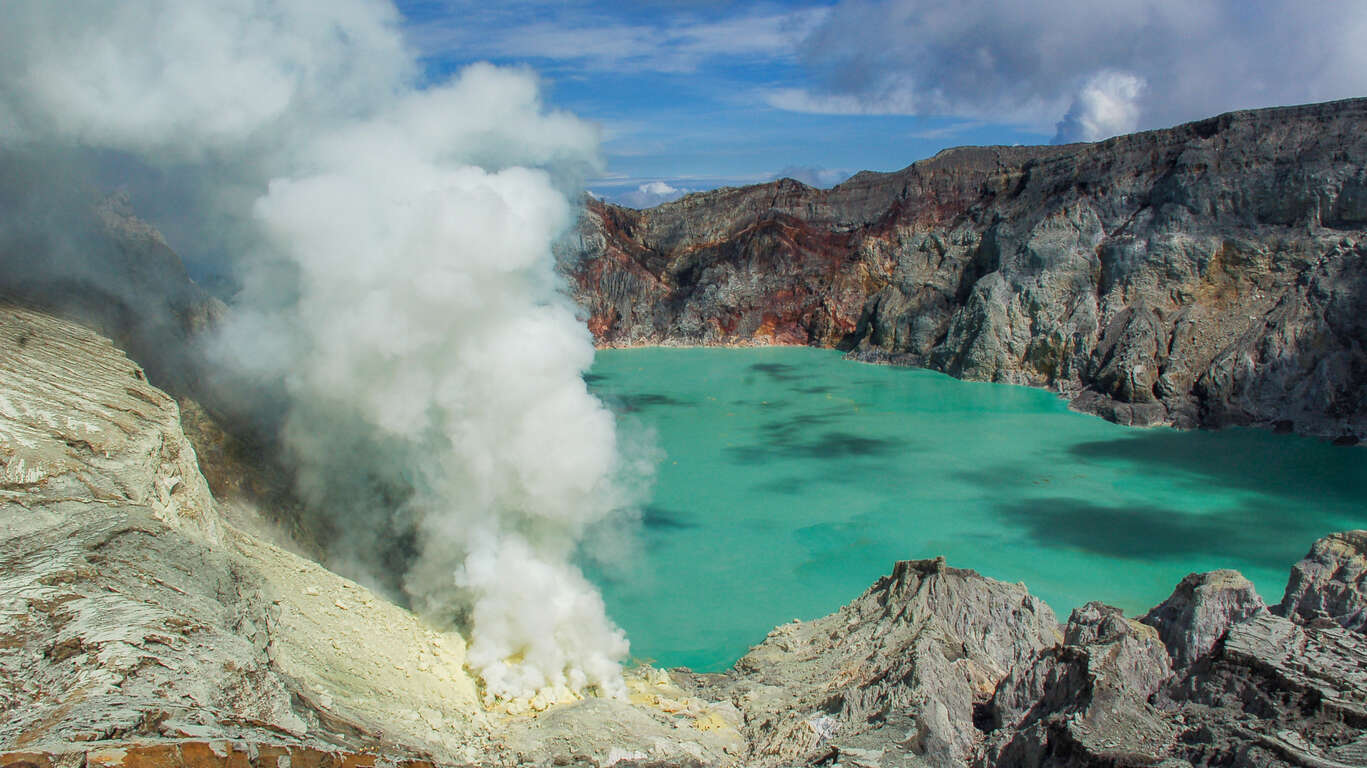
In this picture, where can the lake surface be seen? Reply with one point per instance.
(790, 479)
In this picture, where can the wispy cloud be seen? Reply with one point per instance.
(809, 102)
(947, 131)
(591, 39)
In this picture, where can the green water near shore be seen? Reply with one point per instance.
(791, 479)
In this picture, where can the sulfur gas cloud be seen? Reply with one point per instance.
(392, 241)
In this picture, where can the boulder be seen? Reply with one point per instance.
(1330, 583)
(1200, 611)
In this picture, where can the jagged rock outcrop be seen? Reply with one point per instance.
(893, 678)
(1210, 274)
(1200, 611)
(1222, 681)
(1331, 583)
(1274, 693)
(935, 666)
(1087, 697)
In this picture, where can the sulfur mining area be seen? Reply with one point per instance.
(145, 622)
(165, 600)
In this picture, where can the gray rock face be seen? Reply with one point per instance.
(1330, 583)
(1210, 274)
(1275, 694)
(1200, 611)
(1255, 689)
(1087, 697)
(891, 679)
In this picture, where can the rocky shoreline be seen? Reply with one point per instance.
(1206, 275)
(143, 624)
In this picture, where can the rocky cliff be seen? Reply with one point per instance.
(1209, 274)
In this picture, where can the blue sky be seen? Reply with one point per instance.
(694, 94)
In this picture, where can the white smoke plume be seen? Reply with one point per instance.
(398, 283)
(1107, 105)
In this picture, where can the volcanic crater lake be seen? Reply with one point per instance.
(790, 479)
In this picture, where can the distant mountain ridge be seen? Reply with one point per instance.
(1210, 274)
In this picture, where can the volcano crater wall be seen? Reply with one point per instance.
(1211, 274)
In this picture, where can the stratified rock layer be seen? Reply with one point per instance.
(129, 608)
(1210, 274)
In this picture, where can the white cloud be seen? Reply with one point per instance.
(651, 194)
(185, 78)
(1108, 105)
(947, 131)
(808, 102)
(676, 43)
(1034, 63)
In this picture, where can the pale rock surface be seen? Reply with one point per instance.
(1330, 583)
(1201, 610)
(129, 608)
(891, 679)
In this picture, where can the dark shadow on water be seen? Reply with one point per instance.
(1265, 534)
(655, 516)
(1295, 472)
(830, 445)
(640, 400)
(814, 390)
(793, 430)
(784, 486)
(593, 378)
(776, 371)
(1292, 468)
(772, 403)
(836, 444)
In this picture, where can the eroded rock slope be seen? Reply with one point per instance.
(1210, 274)
(129, 608)
(936, 666)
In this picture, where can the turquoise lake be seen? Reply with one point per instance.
(790, 479)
